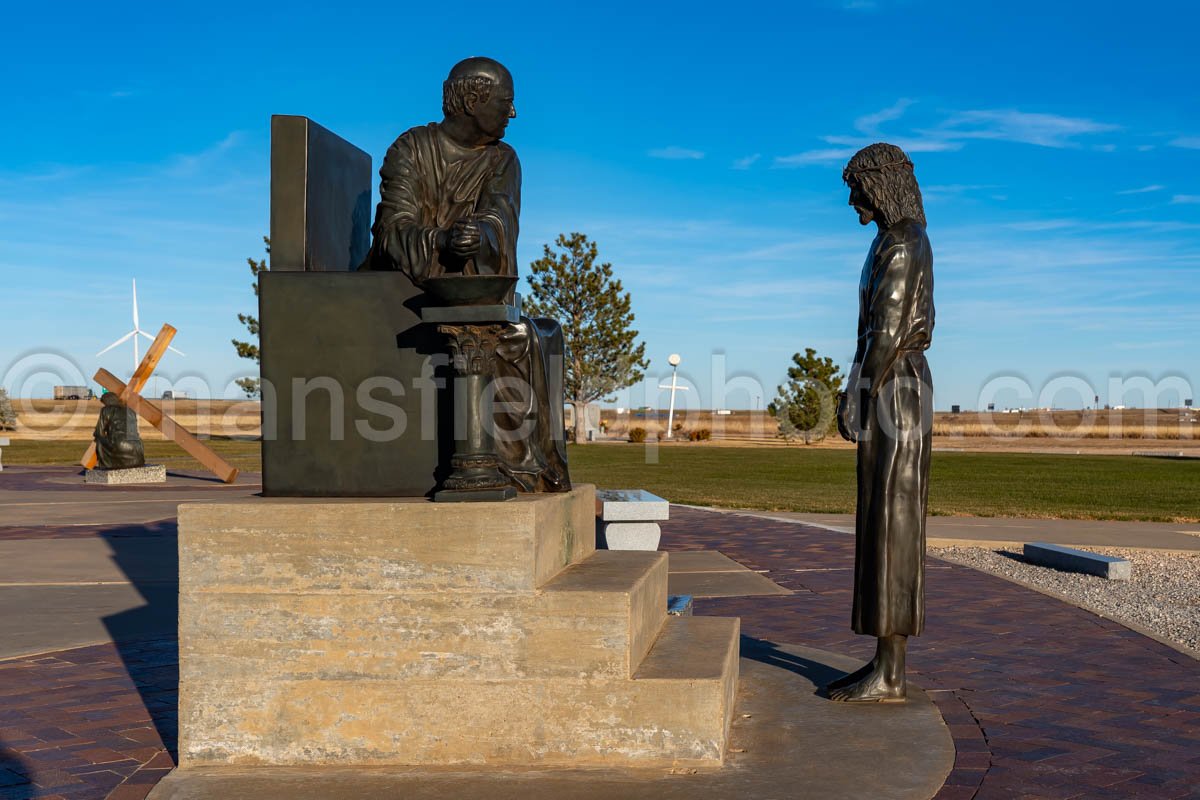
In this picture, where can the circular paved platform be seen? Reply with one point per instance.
(784, 737)
(1042, 699)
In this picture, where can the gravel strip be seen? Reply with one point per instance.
(1162, 597)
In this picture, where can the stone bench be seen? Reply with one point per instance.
(3, 443)
(1069, 559)
(627, 519)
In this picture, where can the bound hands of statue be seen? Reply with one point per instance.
(847, 416)
(464, 238)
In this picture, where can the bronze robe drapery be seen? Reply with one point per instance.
(118, 444)
(895, 327)
(427, 182)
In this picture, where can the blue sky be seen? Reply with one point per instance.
(701, 145)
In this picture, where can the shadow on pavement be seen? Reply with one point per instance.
(766, 652)
(14, 775)
(147, 637)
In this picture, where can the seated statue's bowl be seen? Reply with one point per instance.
(470, 290)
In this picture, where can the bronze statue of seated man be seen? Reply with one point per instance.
(118, 445)
(450, 199)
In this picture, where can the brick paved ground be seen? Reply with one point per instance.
(92, 722)
(1044, 700)
(166, 527)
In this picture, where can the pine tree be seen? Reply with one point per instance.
(250, 349)
(806, 407)
(8, 417)
(594, 311)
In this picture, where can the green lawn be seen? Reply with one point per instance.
(242, 454)
(800, 479)
(981, 484)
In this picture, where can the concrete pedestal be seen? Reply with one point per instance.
(132, 476)
(364, 632)
(786, 742)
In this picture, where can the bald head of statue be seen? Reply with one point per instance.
(479, 94)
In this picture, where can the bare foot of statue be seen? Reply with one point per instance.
(851, 677)
(881, 681)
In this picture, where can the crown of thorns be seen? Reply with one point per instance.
(878, 167)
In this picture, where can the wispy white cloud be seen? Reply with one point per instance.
(807, 287)
(1083, 226)
(747, 161)
(119, 94)
(945, 191)
(952, 133)
(1154, 187)
(1163, 345)
(1011, 125)
(930, 144)
(1043, 225)
(1185, 199)
(673, 153)
(821, 156)
(1188, 142)
(192, 163)
(49, 174)
(869, 123)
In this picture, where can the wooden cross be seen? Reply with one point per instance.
(128, 393)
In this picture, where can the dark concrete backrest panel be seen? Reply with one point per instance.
(337, 348)
(320, 198)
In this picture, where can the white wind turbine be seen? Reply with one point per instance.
(133, 334)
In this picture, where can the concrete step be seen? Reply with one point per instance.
(628, 585)
(375, 632)
(596, 619)
(693, 649)
(692, 675)
(285, 545)
(676, 711)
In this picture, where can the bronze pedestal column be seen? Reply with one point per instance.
(476, 472)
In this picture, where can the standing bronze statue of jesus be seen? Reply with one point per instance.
(888, 410)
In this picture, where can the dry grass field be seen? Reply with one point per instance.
(1091, 432)
(66, 420)
(1120, 431)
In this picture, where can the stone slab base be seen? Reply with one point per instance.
(150, 473)
(377, 632)
(1070, 559)
(786, 742)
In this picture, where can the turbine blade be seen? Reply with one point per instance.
(122, 340)
(135, 314)
(148, 336)
(177, 352)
